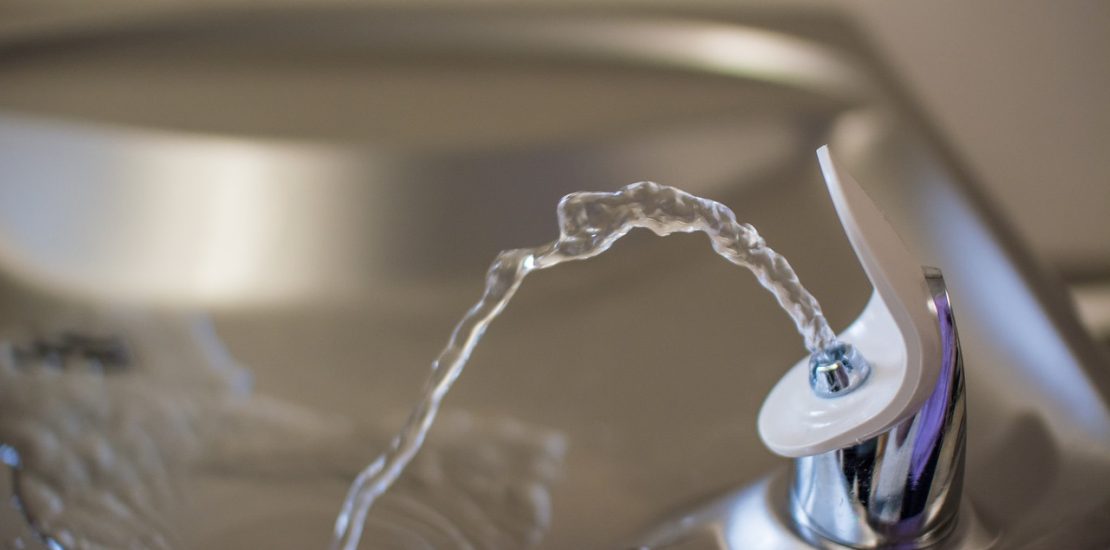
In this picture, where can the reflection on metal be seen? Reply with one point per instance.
(838, 370)
(153, 217)
(194, 220)
(232, 211)
(903, 487)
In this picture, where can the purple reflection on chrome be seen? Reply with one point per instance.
(932, 416)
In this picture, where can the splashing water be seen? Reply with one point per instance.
(589, 223)
(100, 455)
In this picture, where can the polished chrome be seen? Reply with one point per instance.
(903, 487)
(837, 370)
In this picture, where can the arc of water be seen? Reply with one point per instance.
(589, 223)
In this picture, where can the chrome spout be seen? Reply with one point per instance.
(902, 487)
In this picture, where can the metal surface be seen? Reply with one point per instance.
(902, 488)
(414, 111)
(837, 371)
(267, 166)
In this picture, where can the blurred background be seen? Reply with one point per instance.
(1018, 88)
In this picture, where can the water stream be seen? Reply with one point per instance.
(104, 451)
(589, 223)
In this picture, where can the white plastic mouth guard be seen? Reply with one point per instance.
(897, 332)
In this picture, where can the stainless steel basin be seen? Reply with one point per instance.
(328, 185)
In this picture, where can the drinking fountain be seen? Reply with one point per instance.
(263, 166)
(878, 434)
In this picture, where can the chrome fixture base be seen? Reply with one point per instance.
(900, 489)
(758, 517)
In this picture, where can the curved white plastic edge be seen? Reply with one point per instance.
(897, 332)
